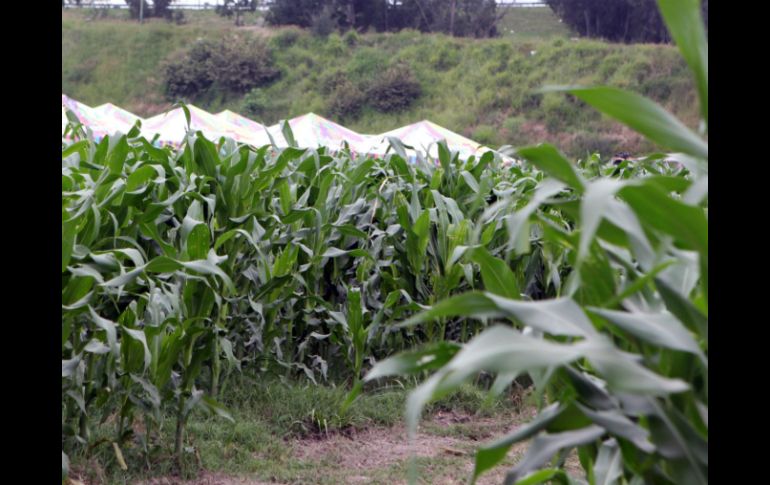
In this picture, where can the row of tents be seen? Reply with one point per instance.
(309, 130)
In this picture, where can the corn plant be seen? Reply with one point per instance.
(183, 265)
(618, 342)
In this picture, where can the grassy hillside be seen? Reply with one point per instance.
(483, 88)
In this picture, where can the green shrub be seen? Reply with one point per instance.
(286, 37)
(329, 81)
(233, 65)
(445, 56)
(486, 135)
(334, 45)
(396, 90)
(513, 124)
(366, 64)
(241, 65)
(351, 38)
(255, 104)
(346, 100)
(191, 75)
(584, 143)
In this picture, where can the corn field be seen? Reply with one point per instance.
(182, 267)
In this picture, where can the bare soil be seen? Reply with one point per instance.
(205, 478)
(444, 447)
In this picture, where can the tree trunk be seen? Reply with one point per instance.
(625, 30)
(452, 18)
(351, 14)
(422, 12)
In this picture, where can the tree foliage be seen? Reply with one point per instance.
(616, 20)
(466, 18)
(158, 8)
(234, 8)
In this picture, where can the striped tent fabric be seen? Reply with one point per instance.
(64, 119)
(313, 131)
(310, 131)
(170, 128)
(424, 137)
(120, 119)
(250, 132)
(238, 120)
(87, 116)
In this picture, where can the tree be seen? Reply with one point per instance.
(294, 12)
(615, 20)
(159, 8)
(235, 7)
(467, 18)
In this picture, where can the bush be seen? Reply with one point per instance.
(351, 38)
(287, 37)
(366, 64)
(190, 75)
(231, 65)
(445, 57)
(329, 82)
(485, 134)
(396, 90)
(255, 103)
(585, 143)
(243, 65)
(346, 100)
(513, 124)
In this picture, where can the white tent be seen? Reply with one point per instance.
(120, 119)
(313, 131)
(238, 120)
(87, 116)
(423, 137)
(309, 130)
(249, 131)
(171, 127)
(64, 119)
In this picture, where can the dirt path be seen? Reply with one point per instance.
(443, 452)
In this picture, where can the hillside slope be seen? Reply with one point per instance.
(483, 88)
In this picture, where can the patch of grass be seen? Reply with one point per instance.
(268, 416)
(524, 23)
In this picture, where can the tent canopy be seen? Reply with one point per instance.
(171, 127)
(238, 120)
(313, 131)
(309, 130)
(87, 116)
(424, 137)
(119, 118)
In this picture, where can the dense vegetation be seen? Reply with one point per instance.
(618, 20)
(182, 269)
(620, 348)
(464, 18)
(484, 89)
